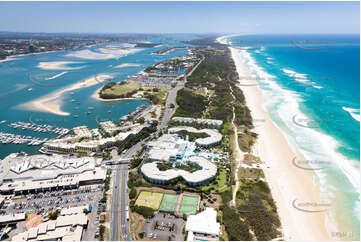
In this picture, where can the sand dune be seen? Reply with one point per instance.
(289, 184)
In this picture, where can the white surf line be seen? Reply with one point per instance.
(56, 76)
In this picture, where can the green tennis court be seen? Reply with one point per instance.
(168, 202)
(189, 205)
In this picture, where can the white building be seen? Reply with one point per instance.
(207, 172)
(214, 137)
(23, 173)
(66, 228)
(203, 225)
(167, 147)
(70, 145)
(214, 123)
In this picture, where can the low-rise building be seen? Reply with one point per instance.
(213, 123)
(67, 228)
(68, 145)
(207, 172)
(214, 137)
(203, 226)
(35, 173)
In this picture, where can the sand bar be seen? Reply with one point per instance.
(51, 103)
(104, 54)
(287, 182)
(58, 65)
(127, 65)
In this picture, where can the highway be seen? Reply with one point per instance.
(120, 195)
(120, 188)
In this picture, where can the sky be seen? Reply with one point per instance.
(181, 17)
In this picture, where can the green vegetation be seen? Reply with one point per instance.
(144, 211)
(132, 193)
(119, 90)
(260, 210)
(137, 180)
(188, 166)
(236, 229)
(101, 232)
(190, 104)
(156, 95)
(54, 214)
(191, 136)
(133, 139)
(164, 165)
(218, 185)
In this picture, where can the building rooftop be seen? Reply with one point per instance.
(214, 136)
(207, 171)
(204, 222)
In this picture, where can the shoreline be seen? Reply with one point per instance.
(287, 182)
(96, 96)
(51, 103)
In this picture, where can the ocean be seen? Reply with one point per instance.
(312, 86)
(22, 80)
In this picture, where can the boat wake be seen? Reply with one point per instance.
(56, 76)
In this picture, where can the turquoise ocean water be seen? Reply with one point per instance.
(21, 81)
(312, 85)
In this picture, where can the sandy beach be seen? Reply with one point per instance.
(127, 65)
(52, 102)
(289, 185)
(58, 65)
(105, 53)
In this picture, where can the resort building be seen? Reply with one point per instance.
(214, 137)
(212, 123)
(21, 173)
(66, 228)
(203, 226)
(70, 145)
(207, 172)
(167, 147)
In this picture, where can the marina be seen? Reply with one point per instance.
(8, 138)
(44, 128)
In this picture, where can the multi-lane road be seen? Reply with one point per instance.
(119, 221)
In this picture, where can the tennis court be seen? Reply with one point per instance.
(168, 202)
(149, 199)
(189, 205)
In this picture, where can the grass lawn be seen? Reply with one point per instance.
(189, 205)
(161, 94)
(168, 203)
(149, 199)
(122, 89)
(222, 183)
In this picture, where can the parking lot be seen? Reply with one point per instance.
(164, 227)
(44, 202)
